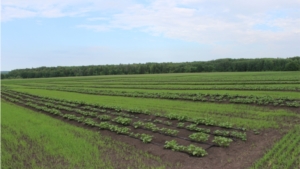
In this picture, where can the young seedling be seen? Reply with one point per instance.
(222, 141)
(195, 151)
(146, 138)
(138, 124)
(201, 137)
(180, 125)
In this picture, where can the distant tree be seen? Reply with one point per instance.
(220, 65)
(3, 76)
(268, 65)
(292, 66)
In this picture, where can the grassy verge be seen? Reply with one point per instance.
(33, 140)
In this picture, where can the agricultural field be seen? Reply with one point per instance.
(194, 120)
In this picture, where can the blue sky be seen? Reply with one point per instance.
(92, 32)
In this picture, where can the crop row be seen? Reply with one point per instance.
(127, 121)
(171, 86)
(199, 87)
(194, 150)
(136, 111)
(88, 121)
(191, 149)
(90, 111)
(240, 135)
(152, 127)
(133, 112)
(220, 98)
(167, 83)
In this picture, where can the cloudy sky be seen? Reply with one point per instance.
(38, 33)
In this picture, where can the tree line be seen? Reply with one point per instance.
(219, 65)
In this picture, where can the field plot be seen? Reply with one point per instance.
(30, 140)
(205, 120)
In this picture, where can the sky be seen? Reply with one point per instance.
(37, 33)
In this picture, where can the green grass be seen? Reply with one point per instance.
(33, 140)
(284, 154)
(241, 115)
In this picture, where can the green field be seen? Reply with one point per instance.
(29, 140)
(243, 109)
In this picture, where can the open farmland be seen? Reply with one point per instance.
(196, 120)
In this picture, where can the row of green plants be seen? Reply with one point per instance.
(222, 141)
(45, 109)
(202, 134)
(111, 127)
(104, 117)
(210, 87)
(91, 113)
(259, 100)
(154, 128)
(203, 121)
(185, 82)
(207, 121)
(119, 130)
(190, 149)
(117, 113)
(171, 116)
(199, 121)
(122, 120)
(236, 134)
(74, 117)
(102, 125)
(13, 100)
(192, 127)
(88, 121)
(199, 137)
(193, 87)
(165, 122)
(119, 119)
(218, 140)
(151, 126)
(292, 79)
(58, 104)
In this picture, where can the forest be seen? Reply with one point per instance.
(219, 65)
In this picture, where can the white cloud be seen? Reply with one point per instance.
(98, 19)
(203, 21)
(56, 8)
(211, 22)
(95, 27)
(11, 12)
